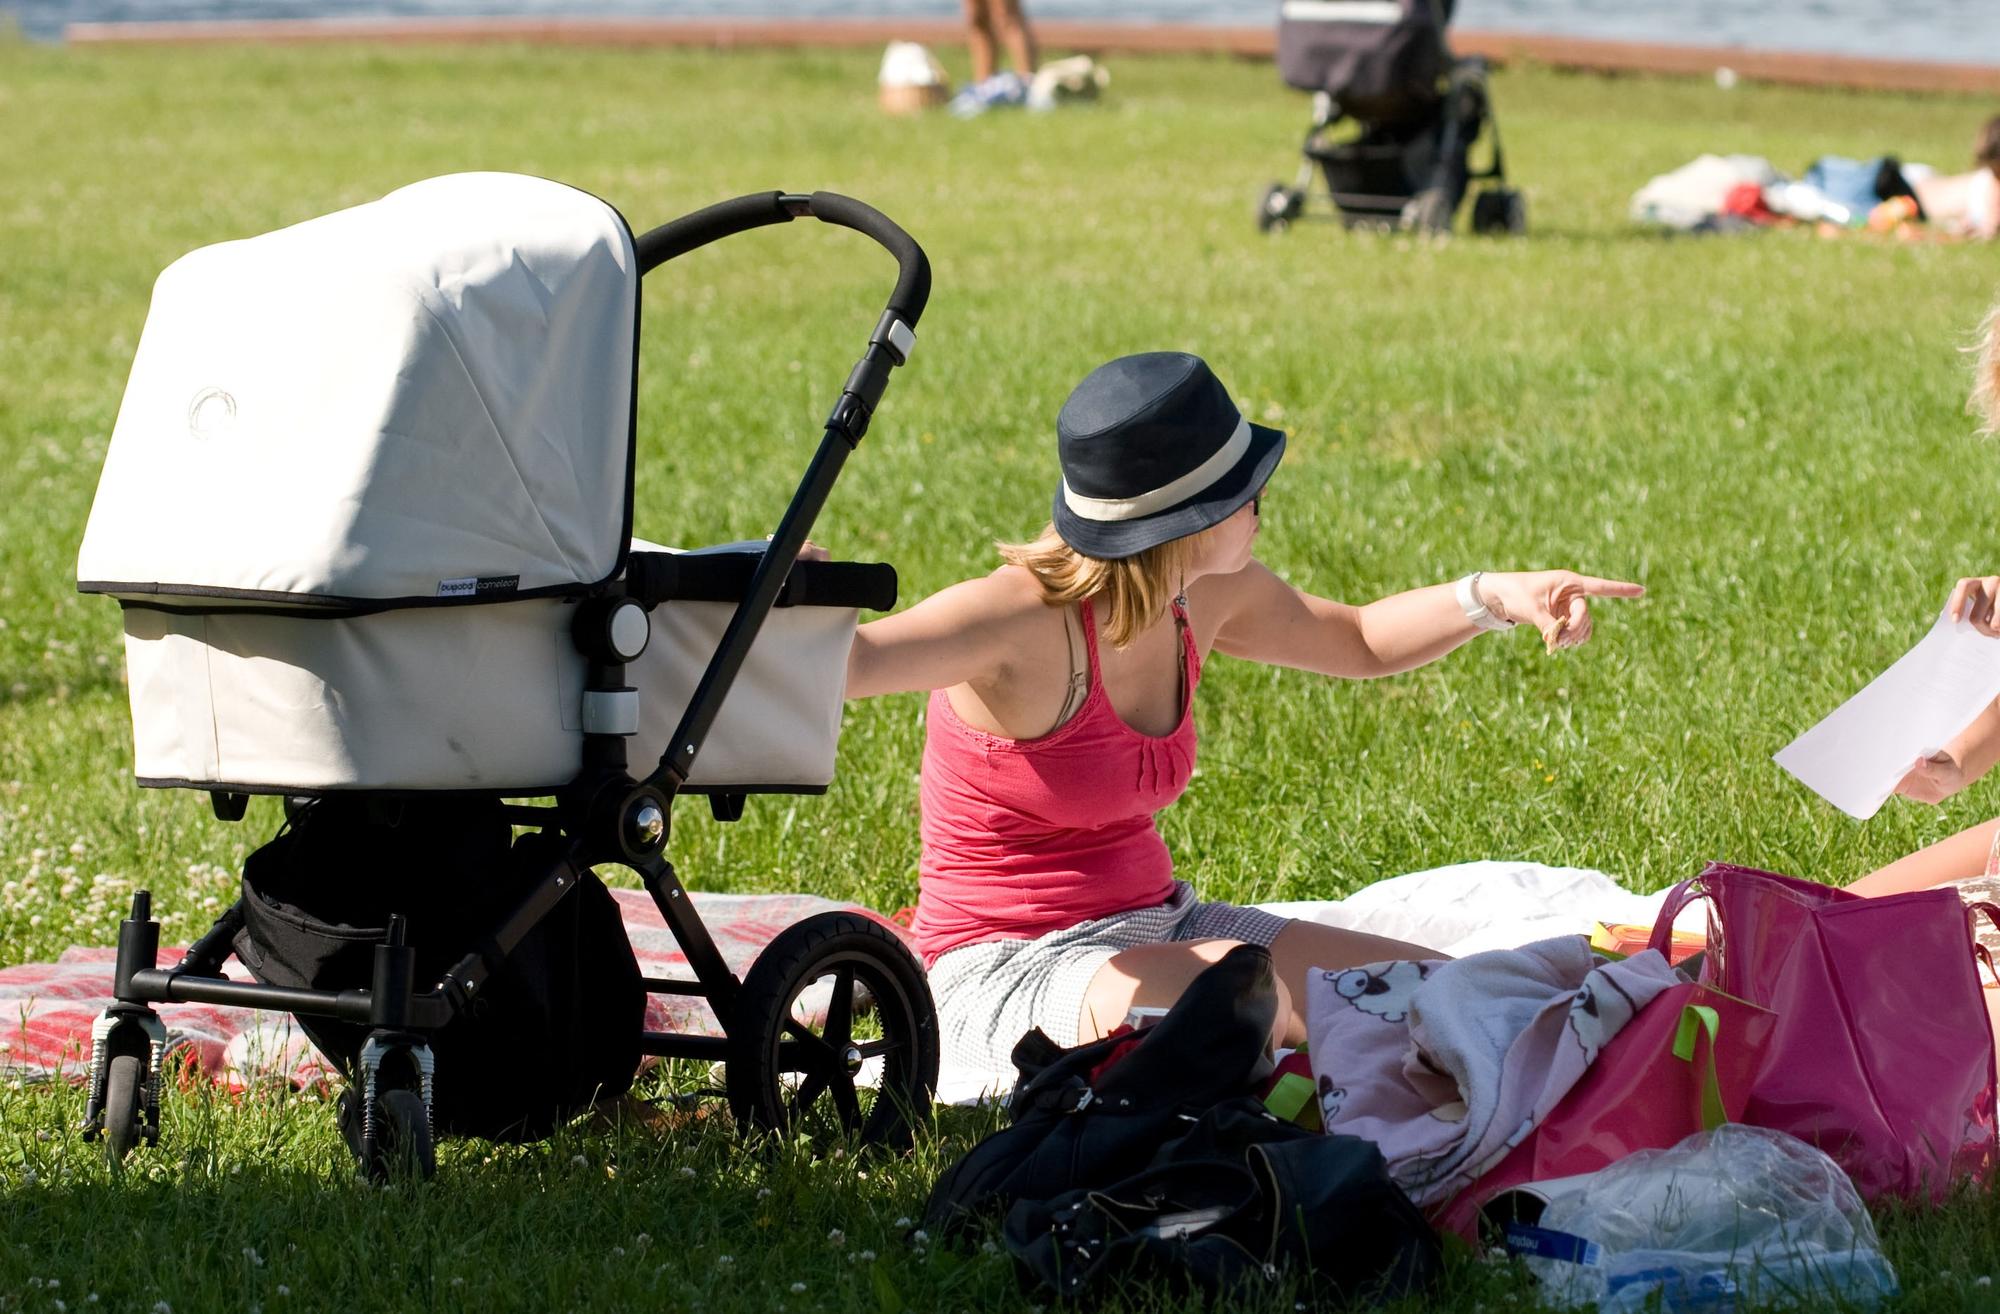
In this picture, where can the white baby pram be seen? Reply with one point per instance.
(368, 512)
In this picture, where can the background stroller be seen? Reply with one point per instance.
(1395, 117)
(368, 512)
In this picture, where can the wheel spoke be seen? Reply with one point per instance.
(808, 1055)
(877, 1048)
(846, 1101)
(840, 1010)
(809, 1090)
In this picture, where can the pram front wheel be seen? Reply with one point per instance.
(834, 1018)
(402, 1147)
(124, 1086)
(1278, 206)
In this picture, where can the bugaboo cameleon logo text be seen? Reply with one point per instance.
(211, 414)
(471, 586)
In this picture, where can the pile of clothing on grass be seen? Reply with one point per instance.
(1737, 193)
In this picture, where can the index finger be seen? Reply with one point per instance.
(1610, 588)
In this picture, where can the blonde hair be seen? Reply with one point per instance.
(1985, 399)
(1135, 589)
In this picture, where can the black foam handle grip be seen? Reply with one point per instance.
(913, 282)
(723, 219)
(657, 577)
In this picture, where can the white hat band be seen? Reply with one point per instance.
(1167, 494)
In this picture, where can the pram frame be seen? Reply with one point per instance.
(608, 816)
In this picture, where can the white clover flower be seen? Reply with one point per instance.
(868, 1256)
(579, 1161)
(920, 1237)
(903, 1224)
(284, 1290)
(724, 1261)
(687, 1172)
(798, 1288)
(837, 1237)
(618, 1252)
(642, 1240)
(763, 1193)
(162, 1307)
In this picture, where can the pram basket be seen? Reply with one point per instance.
(388, 559)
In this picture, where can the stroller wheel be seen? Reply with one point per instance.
(1500, 210)
(1278, 206)
(1429, 212)
(124, 1095)
(403, 1149)
(834, 1032)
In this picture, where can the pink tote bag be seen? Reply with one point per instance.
(1684, 1064)
(1882, 1055)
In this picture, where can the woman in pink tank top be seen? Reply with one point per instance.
(1061, 714)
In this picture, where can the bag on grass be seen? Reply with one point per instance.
(1684, 1063)
(1882, 1052)
(557, 1024)
(1155, 1144)
(1238, 1199)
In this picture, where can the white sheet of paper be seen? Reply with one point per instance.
(1856, 756)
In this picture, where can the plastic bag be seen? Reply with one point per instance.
(1735, 1216)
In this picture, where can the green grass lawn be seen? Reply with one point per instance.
(1767, 431)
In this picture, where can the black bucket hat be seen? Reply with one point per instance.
(1152, 449)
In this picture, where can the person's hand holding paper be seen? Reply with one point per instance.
(1857, 756)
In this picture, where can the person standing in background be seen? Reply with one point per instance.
(986, 18)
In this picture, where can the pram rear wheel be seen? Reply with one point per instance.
(124, 1086)
(835, 1031)
(1500, 210)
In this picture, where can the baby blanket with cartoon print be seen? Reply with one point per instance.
(1447, 1065)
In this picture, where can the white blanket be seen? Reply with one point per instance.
(1458, 910)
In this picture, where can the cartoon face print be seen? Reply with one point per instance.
(1599, 1011)
(1332, 1099)
(1383, 990)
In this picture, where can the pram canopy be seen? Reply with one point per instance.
(1379, 60)
(427, 399)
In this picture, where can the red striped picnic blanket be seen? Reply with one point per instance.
(46, 1008)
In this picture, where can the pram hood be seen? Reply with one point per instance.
(1378, 59)
(424, 399)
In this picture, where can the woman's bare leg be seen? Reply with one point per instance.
(1304, 946)
(979, 37)
(1020, 38)
(1154, 975)
(1956, 858)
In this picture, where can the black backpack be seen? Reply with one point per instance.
(556, 1026)
(1165, 1167)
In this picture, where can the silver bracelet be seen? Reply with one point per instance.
(1475, 607)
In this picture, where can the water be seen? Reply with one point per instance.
(1964, 31)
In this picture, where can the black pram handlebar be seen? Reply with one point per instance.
(761, 209)
(771, 572)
